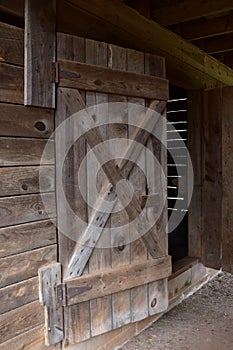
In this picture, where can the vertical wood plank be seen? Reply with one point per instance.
(157, 291)
(139, 295)
(77, 317)
(40, 22)
(195, 147)
(227, 180)
(100, 309)
(212, 237)
(121, 303)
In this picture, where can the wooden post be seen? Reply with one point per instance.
(40, 40)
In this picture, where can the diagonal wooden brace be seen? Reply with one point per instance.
(82, 252)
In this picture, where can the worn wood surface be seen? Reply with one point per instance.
(186, 64)
(19, 267)
(31, 339)
(21, 209)
(113, 81)
(212, 238)
(18, 294)
(20, 320)
(26, 180)
(25, 151)
(23, 121)
(40, 40)
(12, 44)
(227, 163)
(110, 281)
(11, 83)
(196, 149)
(25, 237)
(49, 279)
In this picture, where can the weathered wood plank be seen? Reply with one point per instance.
(18, 294)
(188, 10)
(114, 81)
(19, 267)
(196, 149)
(49, 279)
(31, 339)
(114, 280)
(20, 320)
(12, 44)
(121, 306)
(11, 83)
(212, 238)
(22, 209)
(24, 237)
(26, 180)
(40, 39)
(227, 174)
(187, 64)
(19, 151)
(25, 121)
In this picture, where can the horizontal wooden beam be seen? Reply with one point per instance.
(111, 281)
(94, 78)
(187, 65)
(188, 10)
(216, 45)
(204, 27)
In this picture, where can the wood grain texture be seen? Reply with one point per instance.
(19, 267)
(11, 83)
(113, 81)
(20, 320)
(212, 238)
(195, 147)
(40, 22)
(18, 294)
(31, 339)
(26, 180)
(25, 151)
(23, 121)
(12, 44)
(227, 203)
(25, 237)
(28, 208)
(111, 281)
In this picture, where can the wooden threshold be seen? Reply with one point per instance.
(182, 265)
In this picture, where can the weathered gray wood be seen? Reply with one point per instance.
(20, 320)
(111, 281)
(93, 78)
(12, 42)
(19, 151)
(49, 279)
(40, 22)
(31, 339)
(11, 83)
(196, 149)
(22, 209)
(19, 267)
(82, 253)
(227, 174)
(25, 180)
(25, 121)
(18, 294)
(25, 237)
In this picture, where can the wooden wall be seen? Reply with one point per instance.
(27, 236)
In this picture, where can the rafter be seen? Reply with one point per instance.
(219, 44)
(204, 28)
(188, 10)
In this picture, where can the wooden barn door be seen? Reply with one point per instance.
(106, 286)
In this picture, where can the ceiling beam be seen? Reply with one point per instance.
(216, 45)
(204, 28)
(187, 65)
(188, 10)
(225, 57)
(15, 8)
